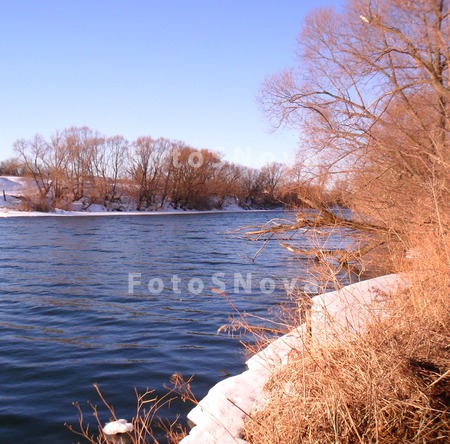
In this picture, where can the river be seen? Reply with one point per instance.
(124, 302)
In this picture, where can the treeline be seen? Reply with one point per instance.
(82, 165)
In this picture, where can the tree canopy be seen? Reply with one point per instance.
(370, 96)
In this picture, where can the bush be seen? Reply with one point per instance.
(11, 167)
(36, 203)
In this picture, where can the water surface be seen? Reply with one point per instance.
(68, 318)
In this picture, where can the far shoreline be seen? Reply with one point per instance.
(14, 213)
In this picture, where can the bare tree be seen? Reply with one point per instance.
(192, 174)
(146, 168)
(251, 186)
(35, 156)
(82, 146)
(272, 176)
(11, 167)
(58, 163)
(227, 178)
(371, 97)
(115, 150)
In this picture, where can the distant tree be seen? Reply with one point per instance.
(192, 173)
(81, 144)
(80, 164)
(58, 164)
(109, 157)
(227, 181)
(36, 160)
(251, 186)
(147, 159)
(272, 175)
(11, 167)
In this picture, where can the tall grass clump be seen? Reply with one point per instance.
(148, 427)
(390, 384)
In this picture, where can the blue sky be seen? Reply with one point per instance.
(187, 70)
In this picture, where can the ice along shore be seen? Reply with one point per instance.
(219, 417)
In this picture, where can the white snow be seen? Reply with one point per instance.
(219, 417)
(231, 204)
(277, 353)
(7, 212)
(119, 426)
(13, 188)
(350, 309)
(16, 185)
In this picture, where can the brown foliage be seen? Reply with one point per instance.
(371, 98)
(390, 384)
(80, 164)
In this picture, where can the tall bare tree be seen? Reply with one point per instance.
(81, 145)
(370, 96)
(147, 160)
(193, 172)
(273, 174)
(116, 148)
(35, 156)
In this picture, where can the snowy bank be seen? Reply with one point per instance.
(6, 212)
(12, 188)
(219, 417)
(14, 191)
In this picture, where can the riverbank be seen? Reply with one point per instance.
(219, 417)
(19, 198)
(61, 213)
(16, 188)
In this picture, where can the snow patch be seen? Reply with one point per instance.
(17, 187)
(116, 427)
(219, 417)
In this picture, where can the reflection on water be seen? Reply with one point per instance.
(68, 320)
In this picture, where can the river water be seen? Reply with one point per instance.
(124, 302)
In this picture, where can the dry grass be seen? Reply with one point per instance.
(36, 203)
(390, 385)
(147, 425)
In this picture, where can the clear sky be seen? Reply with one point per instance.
(183, 69)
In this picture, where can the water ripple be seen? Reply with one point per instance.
(67, 319)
